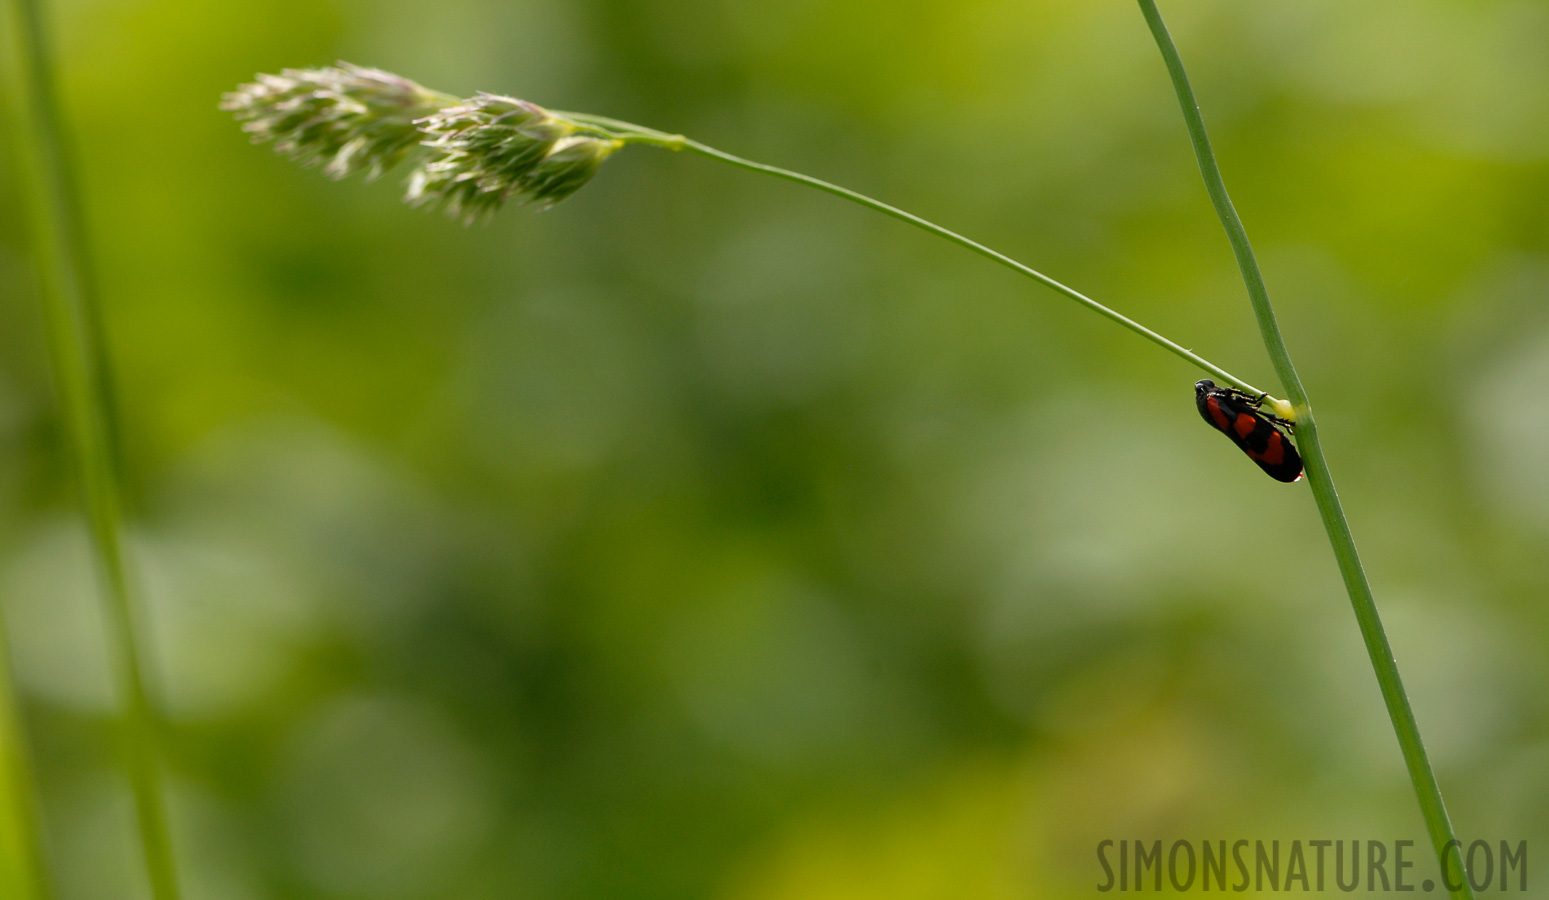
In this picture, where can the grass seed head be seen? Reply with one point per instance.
(490, 149)
(345, 118)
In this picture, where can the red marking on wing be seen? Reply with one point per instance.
(1245, 425)
(1274, 451)
(1217, 414)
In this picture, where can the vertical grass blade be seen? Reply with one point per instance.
(23, 871)
(77, 359)
(1321, 481)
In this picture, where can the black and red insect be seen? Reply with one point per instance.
(1240, 417)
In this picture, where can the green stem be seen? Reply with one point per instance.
(77, 359)
(23, 870)
(1318, 476)
(640, 134)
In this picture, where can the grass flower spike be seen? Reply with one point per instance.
(568, 167)
(346, 118)
(490, 149)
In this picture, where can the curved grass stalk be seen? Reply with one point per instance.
(1321, 481)
(631, 133)
(77, 360)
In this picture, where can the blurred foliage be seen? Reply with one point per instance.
(705, 537)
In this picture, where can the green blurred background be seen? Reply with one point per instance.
(707, 537)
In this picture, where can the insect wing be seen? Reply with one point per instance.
(1269, 447)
